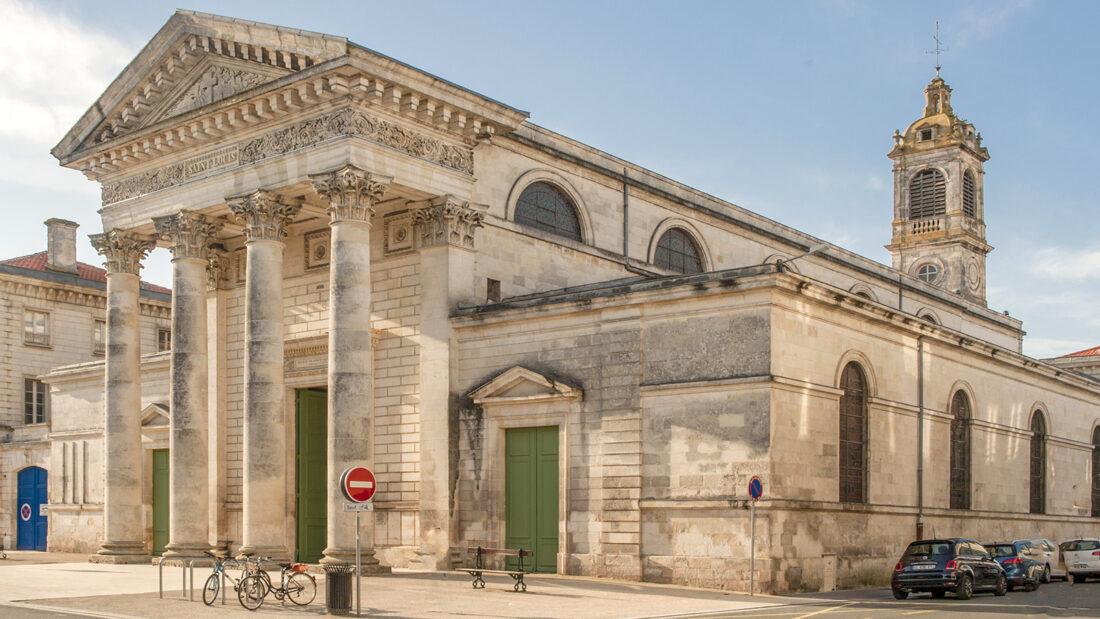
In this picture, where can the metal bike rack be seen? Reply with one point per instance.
(185, 592)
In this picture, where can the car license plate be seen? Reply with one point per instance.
(1080, 565)
(924, 567)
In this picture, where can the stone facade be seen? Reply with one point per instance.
(371, 241)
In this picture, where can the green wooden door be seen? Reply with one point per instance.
(310, 461)
(531, 495)
(160, 500)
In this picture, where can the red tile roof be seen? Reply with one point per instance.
(1088, 352)
(37, 262)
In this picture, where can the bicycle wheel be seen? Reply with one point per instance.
(210, 590)
(251, 592)
(301, 588)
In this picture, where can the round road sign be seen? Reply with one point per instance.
(756, 488)
(25, 512)
(358, 484)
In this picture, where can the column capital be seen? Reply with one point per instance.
(190, 233)
(264, 213)
(446, 220)
(123, 250)
(350, 191)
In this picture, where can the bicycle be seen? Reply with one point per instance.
(299, 586)
(214, 582)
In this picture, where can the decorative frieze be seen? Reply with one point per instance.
(123, 250)
(447, 220)
(264, 214)
(351, 193)
(170, 175)
(189, 233)
(354, 123)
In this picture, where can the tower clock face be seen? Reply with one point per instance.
(973, 275)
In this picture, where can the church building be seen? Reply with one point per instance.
(533, 343)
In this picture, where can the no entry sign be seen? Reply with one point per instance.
(358, 484)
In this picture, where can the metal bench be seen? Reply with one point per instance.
(479, 566)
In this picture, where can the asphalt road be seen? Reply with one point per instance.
(1057, 599)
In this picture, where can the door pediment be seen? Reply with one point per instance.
(520, 384)
(155, 415)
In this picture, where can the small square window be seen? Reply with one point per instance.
(99, 337)
(492, 290)
(36, 328)
(164, 340)
(925, 134)
(34, 401)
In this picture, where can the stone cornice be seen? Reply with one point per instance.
(351, 193)
(189, 233)
(62, 294)
(123, 250)
(447, 221)
(343, 123)
(265, 215)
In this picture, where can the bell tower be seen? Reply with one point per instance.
(939, 211)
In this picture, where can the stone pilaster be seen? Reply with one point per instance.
(123, 528)
(351, 194)
(265, 216)
(445, 229)
(189, 235)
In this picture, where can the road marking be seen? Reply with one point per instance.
(918, 612)
(826, 610)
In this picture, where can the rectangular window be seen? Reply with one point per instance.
(34, 401)
(36, 328)
(99, 337)
(164, 340)
(493, 290)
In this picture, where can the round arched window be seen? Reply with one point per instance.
(927, 194)
(544, 206)
(928, 273)
(677, 251)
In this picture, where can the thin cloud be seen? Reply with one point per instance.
(982, 22)
(1063, 264)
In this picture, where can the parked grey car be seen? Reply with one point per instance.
(1051, 558)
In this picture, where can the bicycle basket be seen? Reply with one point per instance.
(301, 568)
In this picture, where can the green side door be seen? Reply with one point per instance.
(531, 495)
(160, 500)
(311, 463)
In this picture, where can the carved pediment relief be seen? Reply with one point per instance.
(210, 82)
(520, 384)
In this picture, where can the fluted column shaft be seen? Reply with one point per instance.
(188, 499)
(351, 194)
(123, 527)
(265, 450)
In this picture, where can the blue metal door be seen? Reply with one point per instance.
(31, 506)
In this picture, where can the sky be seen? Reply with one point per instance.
(786, 109)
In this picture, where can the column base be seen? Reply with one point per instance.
(121, 552)
(346, 556)
(186, 551)
(275, 553)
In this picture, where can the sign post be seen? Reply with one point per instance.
(358, 485)
(756, 490)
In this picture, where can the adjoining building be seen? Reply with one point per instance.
(52, 312)
(534, 343)
(1085, 361)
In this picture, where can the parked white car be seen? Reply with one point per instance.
(1051, 558)
(1082, 557)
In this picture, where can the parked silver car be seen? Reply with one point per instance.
(1051, 558)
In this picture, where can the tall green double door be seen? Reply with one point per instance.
(531, 494)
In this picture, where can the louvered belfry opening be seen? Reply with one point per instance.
(677, 251)
(853, 435)
(960, 451)
(1038, 463)
(927, 195)
(970, 195)
(1096, 472)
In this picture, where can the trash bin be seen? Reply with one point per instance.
(338, 589)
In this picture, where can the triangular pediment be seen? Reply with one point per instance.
(212, 80)
(523, 384)
(154, 415)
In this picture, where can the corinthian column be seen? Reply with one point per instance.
(444, 234)
(188, 502)
(265, 217)
(123, 528)
(351, 194)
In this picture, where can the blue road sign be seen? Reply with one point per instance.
(756, 488)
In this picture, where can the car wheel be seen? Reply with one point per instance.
(965, 589)
(1031, 585)
(900, 594)
(1002, 586)
(1046, 575)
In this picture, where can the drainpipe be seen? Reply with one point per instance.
(626, 230)
(920, 437)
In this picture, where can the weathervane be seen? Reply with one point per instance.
(939, 49)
